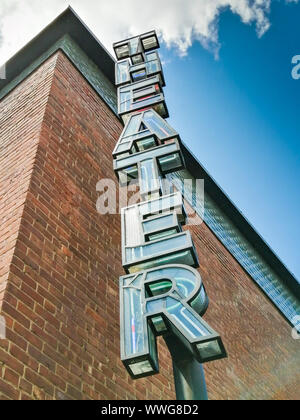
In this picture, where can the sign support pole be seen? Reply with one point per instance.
(189, 375)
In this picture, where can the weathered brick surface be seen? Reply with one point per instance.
(60, 271)
(21, 116)
(262, 356)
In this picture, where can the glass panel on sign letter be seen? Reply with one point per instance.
(137, 59)
(141, 94)
(138, 136)
(166, 149)
(153, 63)
(134, 46)
(147, 102)
(170, 163)
(122, 51)
(141, 368)
(150, 43)
(132, 172)
(185, 257)
(162, 204)
(148, 181)
(174, 273)
(158, 247)
(128, 174)
(154, 306)
(151, 56)
(133, 254)
(145, 144)
(123, 155)
(139, 75)
(159, 288)
(184, 318)
(159, 324)
(122, 147)
(133, 316)
(209, 349)
(141, 135)
(186, 284)
(161, 108)
(125, 100)
(200, 303)
(152, 249)
(161, 235)
(160, 223)
(160, 127)
(185, 281)
(122, 73)
(153, 348)
(157, 275)
(133, 125)
(146, 83)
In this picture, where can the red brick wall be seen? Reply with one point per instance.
(21, 116)
(61, 289)
(263, 359)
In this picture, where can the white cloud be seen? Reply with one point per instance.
(179, 22)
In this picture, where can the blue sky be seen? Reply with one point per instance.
(238, 114)
(240, 117)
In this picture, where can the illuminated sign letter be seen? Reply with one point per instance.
(152, 235)
(144, 130)
(128, 73)
(148, 149)
(149, 167)
(142, 94)
(169, 299)
(162, 294)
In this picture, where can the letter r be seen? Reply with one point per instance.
(165, 300)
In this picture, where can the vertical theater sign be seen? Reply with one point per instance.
(162, 293)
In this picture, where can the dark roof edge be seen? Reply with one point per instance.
(241, 222)
(68, 22)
